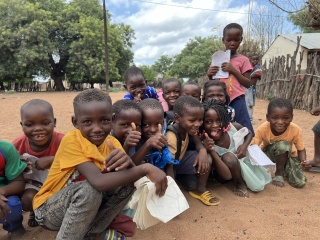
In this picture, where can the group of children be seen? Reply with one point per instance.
(89, 172)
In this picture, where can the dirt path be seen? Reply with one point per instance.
(285, 213)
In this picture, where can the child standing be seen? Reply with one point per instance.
(281, 140)
(193, 170)
(41, 143)
(191, 89)
(136, 85)
(90, 180)
(239, 69)
(228, 160)
(126, 119)
(171, 89)
(153, 139)
(11, 185)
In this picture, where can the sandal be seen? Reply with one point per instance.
(279, 179)
(205, 198)
(112, 234)
(32, 220)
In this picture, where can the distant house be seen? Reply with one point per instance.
(287, 43)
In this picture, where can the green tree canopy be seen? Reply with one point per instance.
(58, 37)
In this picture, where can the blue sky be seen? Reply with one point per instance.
(165, 28)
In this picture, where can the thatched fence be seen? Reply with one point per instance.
(283, 78)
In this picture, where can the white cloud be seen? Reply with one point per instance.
(162, 29)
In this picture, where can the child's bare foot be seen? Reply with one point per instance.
(278, 181)
(17, 234)
(32, 220)
(309, 164)
(205, 197)
(241, 190)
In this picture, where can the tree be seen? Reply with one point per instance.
(149, 73)
(162, 65)
(195, 58)
(59, 37)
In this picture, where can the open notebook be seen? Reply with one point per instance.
(152, 209)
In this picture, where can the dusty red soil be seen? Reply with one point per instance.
(274, 213)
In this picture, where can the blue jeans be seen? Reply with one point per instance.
(14, 219)
(79, 211)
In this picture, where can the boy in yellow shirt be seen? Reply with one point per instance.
(90, 179)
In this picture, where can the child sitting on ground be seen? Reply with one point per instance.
(171, 88)
(126, 128)
(239, 69)
(90, 180)
(315, 162)
(41, 143)
(194, 167)
(217, 90)
(11, 186)
(136, 85)
(281, 140)
(230, 160)
(191, 89)
(153, 139)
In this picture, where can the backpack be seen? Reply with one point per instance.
(171, 128)
(3, 161)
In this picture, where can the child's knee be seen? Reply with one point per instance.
(230, 160)
(27, 198)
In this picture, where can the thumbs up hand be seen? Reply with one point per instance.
(132, 139)
(117, 160)
(137, 98)
(158, 140)
(208, 142)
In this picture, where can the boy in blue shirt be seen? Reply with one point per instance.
(11, 185)
(136, 85)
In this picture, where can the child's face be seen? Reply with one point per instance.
(38, 125)
(215, 92)
(212, 124)
(171, 93)
(232, 39)
(136, 85)
(191, 120)
(150, 120)
(191, 90)
(254, 60)
(122, 124)
(280, 119)
(94, 120)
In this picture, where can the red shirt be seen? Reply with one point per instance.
(21, 143)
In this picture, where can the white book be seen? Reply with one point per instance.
(218, 58)
(259, 158)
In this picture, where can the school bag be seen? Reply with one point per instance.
(171, 128)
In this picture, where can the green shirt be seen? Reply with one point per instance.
(10, 167)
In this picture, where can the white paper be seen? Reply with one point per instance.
(258, 157)
(37, 175)
(218, 58)
(238, 137)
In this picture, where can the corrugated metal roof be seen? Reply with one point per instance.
(310, 41)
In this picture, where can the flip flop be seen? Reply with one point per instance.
(278, 178)
(112, 234)
(205, 198)
(32, 220)
(241, 193)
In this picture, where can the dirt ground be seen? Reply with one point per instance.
(274, 213)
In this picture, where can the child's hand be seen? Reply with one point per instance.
(202, 162)
(158, 177)
(208, 143)
(43, 163)
(241, 151)
(133, 138)
(158, 140)
(4, 208)
(117, 159)
(315, 111)
(228, 67)
(27, 160)
(137, 98)
(212, 71)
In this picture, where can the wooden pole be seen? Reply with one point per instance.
(106, 44)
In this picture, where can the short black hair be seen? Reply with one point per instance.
(37, 102)
(170, 80)
(183, 103)
(150, 103)
(91, 95)
(192, 83)
(124, 105)
(221, 110)
(280, 103)
(131, 72)
(215, 83)
(232, 25)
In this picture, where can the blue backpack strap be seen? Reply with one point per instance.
(170, 127)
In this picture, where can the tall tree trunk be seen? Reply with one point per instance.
(57, 72)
